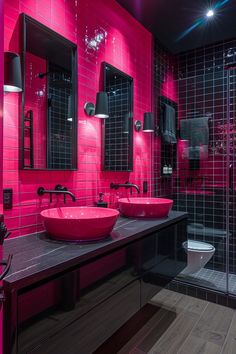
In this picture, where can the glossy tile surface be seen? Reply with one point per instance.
(126, 45)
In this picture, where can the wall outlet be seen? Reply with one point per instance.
(7, 198)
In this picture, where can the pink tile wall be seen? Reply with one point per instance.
(1, 99)
(126, 45)
(1, 142)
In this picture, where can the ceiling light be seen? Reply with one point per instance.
(210, 13)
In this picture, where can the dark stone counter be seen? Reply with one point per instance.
(36, 257)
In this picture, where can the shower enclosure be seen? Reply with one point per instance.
(206, 182)
(203, 84)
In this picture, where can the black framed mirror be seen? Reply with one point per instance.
(168, 150)
(118, 128)
(49, 99)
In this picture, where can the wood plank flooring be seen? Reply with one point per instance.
(180, 325)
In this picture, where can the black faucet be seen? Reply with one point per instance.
(125, 185)
(59, 189)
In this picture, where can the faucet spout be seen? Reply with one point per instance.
(65, 191)
(58, 190)
(70, 194)
(125, 185)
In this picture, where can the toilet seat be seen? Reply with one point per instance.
(199, 253)
(192, 245)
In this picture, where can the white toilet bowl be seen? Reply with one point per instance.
(199, 253)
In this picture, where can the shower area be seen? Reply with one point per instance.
(202, 84)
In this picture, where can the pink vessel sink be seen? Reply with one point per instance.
(145, 207)
(79, 223)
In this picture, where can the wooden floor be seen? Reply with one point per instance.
(174, 323)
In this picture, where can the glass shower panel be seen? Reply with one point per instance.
(202, 83)
(231, 78)
(203, 163)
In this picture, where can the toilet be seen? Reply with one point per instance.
(199, 253)
(212, 235)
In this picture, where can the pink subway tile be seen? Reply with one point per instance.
(128, 47)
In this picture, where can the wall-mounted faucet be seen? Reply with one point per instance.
(59, 189)
(125, 185)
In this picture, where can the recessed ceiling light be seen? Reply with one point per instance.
(210, 13)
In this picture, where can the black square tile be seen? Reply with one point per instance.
(222, 300)
(211, 297)
(191, 291)
(201, 294)
(232, 302)
(182, 289)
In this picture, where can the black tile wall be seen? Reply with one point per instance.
(200, 79)
(118, 143)
(202, 92)
(164, 64)
(202, 293)
(59, 154)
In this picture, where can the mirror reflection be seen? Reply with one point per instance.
(49, 129)
(118, 132)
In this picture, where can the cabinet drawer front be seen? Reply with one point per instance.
(87, 333)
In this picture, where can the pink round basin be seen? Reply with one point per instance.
(79, 223)
(145, 207)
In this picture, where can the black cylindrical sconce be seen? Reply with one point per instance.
(69, 109)
(148, 124)
(126, 123)
(12, 72)
(101, 109)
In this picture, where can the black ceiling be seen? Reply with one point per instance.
(168, 19)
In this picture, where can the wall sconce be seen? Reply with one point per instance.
(126, 123)
(69, 109)
(12, 72)
(101, 108)
(148, 124)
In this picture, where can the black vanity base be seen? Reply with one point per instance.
(78, 304)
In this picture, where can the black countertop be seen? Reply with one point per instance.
(36, 257)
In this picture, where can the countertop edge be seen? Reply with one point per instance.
(89, 256)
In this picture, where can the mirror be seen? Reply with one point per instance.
(49, 124)
(118, 128)
(168, 150)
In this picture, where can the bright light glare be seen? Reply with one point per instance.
(210, 13)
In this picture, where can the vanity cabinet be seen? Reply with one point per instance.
(77, 308)
(88, 332)
(164, 259)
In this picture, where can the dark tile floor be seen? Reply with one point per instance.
(211, 279)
